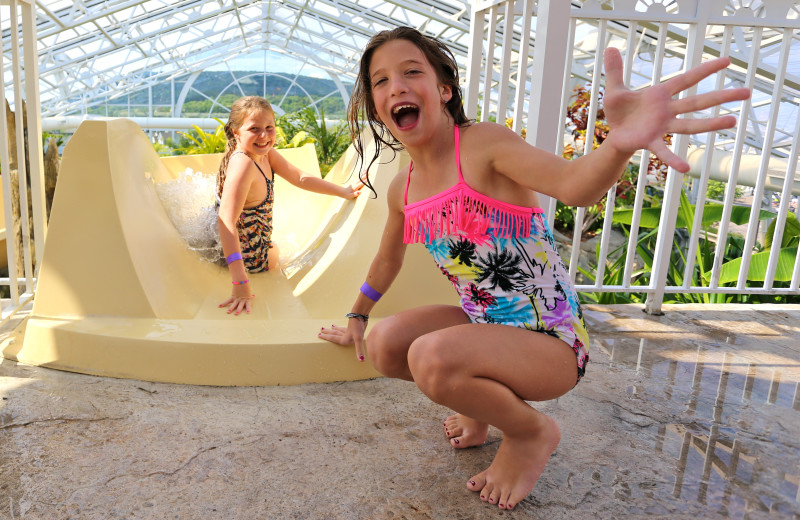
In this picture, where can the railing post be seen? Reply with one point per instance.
(674, 185)
(34, 122)
(549, 61)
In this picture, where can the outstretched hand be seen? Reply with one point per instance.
(641, 119)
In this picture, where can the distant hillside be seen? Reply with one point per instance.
(279, 90)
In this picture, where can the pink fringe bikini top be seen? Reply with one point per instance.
(460, 208)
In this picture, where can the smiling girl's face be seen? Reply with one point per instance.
(408, 97)
(256, 135)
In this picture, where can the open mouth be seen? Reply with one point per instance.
(405, 116)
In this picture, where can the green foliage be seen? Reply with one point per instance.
(204, 142)
(703, 258)
(716, 190)
(46, 137)
(331, 141)
(303, 127)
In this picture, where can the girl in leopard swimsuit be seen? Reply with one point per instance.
(245, 188)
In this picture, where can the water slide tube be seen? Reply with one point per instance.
(120, 294)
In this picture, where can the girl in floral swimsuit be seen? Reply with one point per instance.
(245, 189)
(470, 197)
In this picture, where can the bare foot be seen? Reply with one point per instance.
(517, 466)
(465, 432)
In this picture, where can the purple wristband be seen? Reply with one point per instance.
(370, 293)
(233, 257)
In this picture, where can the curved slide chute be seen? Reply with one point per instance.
(121, 294)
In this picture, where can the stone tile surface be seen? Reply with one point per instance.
(693, 414)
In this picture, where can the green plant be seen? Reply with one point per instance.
(703, 256)
(205, 142)
(331, 141)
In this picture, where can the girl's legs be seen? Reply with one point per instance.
(387, 347)
(388, 341)
(485, 373)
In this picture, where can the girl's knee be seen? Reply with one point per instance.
(432, 365)
(386, 353)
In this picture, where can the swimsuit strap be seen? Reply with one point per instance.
(254, 162)
(457, 132)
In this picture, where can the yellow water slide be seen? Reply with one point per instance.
(121, 294)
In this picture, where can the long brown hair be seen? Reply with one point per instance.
(240, 110)
(362, 104)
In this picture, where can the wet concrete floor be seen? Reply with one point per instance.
(693, 414)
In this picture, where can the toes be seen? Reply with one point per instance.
(504, 499)
(493, 496)
(476, 483)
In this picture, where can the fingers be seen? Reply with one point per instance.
(694, 75)
(335, 335)
(613, 68)
(238, 304)
(709, 99)
(359, 342)
(669, 158)
(698, 126)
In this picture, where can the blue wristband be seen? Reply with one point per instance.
(370, 293)
(233, 257)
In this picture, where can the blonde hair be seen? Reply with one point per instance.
(240, 110)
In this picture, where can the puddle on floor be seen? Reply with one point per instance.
(726, 417)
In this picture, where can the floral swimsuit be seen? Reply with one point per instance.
(255, 230)
(501, 259)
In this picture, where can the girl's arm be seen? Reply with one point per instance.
(301, 179)
(382, 272)
(238, 179)
(637, 120)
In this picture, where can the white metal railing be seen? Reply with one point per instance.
(20, 63)
(658, 38)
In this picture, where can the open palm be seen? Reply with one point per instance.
(640, 119)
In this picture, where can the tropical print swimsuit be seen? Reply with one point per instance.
(255, 230)
(501, 259)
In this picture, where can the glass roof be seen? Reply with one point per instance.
(94, 50)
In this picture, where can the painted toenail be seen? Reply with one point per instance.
(472, 483)
(456, 441)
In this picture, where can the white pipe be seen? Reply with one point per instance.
(153, 123)
(719, 169)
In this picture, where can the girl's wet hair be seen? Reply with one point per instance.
(362, 104)
(241, 109)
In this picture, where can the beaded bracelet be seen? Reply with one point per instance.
(362, 317)
(370, 293)
(241, 282)
(233, 257)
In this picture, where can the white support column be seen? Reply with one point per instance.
(474, 56)
(549, 53)
(666, 228)
(34, 121)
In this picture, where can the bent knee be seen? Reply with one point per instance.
(433, 365)
(386, 350)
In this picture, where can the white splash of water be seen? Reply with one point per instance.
(189, 200)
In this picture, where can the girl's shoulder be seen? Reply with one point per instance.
(485, 130)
